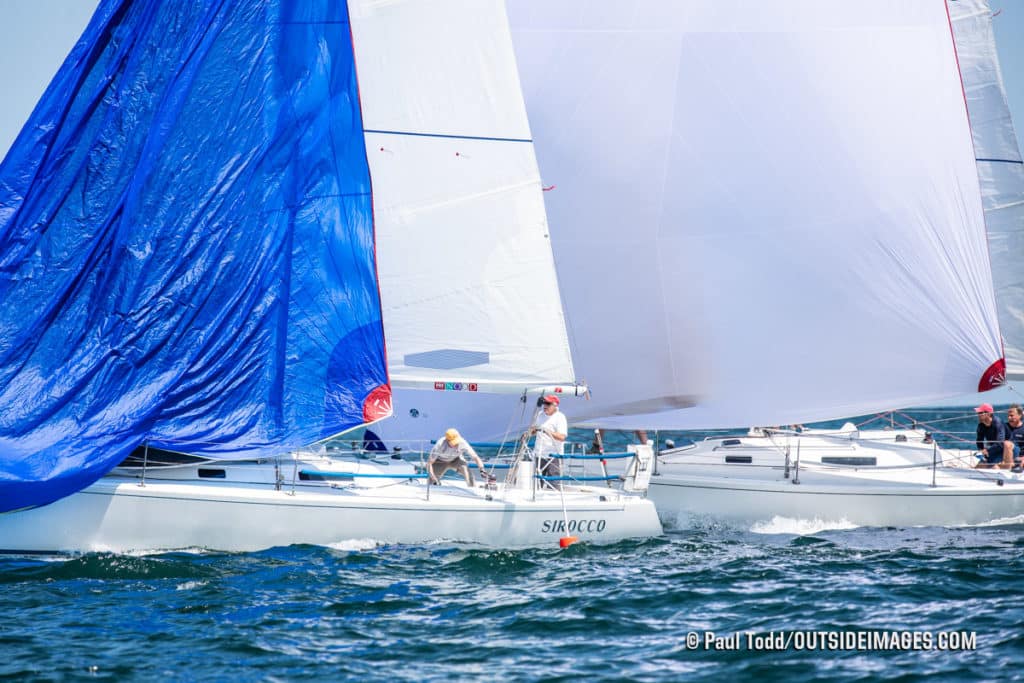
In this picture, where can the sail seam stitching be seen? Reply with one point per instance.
(442, 135)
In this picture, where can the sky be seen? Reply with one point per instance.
(1008, 25)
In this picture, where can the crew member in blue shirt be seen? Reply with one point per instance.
(1014, 436)
(991, 441)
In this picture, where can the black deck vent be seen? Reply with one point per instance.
(855, 461)
(738, 459)
(211, 473)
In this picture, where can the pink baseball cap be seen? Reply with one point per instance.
(984, 408)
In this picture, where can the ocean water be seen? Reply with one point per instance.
(785, 600)
(447, 612)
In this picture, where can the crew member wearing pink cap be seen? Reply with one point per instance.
(991, 435)
(551, 429)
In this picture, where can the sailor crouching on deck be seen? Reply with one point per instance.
(551, 429)
(452, 453)
(992, 437)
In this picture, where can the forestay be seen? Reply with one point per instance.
(769, 211)
(186, 245)
(467, 276)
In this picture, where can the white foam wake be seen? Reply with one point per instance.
(355, 544)
(799, 527)
(1002, 521)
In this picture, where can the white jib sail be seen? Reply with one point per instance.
(468, 286)
(769, 211)
(1000, 169)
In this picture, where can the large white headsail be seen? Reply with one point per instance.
(468, 284)
(1000, 168)
(770, 210)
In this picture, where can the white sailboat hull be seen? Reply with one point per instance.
(953, 502)
(117, 514)
(845, 478)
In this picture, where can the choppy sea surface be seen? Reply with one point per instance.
(787, 600)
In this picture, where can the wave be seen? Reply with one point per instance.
(800, 527)
(1002, 521)
(106, 566)
(355, 544)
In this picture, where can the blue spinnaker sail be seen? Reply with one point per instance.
(187, 246)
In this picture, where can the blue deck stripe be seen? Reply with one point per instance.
(603, 456)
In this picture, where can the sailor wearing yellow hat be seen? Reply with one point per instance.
(452, 453)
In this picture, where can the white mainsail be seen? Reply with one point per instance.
(779, 202)
(1000, 168)
(468, 286)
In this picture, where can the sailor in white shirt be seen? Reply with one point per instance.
(551, 429)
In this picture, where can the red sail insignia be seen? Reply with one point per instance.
(994, 377)
(377, 405)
